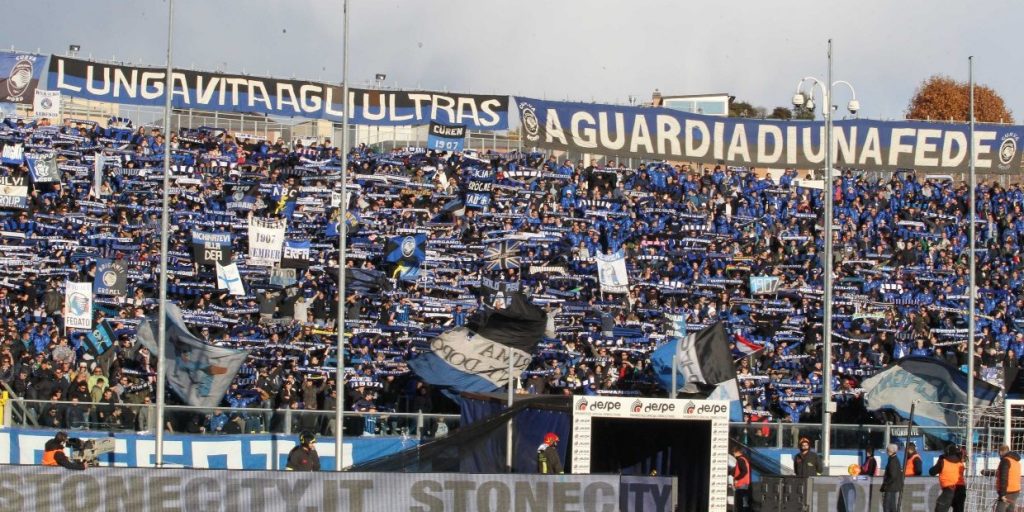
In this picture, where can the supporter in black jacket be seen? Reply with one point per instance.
(892, 482)
(806, 462)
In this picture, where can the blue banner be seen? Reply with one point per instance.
(19, 76)
(237, 93)
(442, 137)
(665, 134)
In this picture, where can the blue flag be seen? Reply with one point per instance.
(411, 250)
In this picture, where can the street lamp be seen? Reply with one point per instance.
(74, 49)
(806, 99)
(380, 77)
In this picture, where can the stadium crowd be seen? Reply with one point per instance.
(692, 237)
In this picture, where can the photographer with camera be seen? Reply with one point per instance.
(53, 454)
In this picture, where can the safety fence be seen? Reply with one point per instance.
(88, 416)
(43, 488)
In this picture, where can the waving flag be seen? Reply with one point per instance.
(476, 357)
(929, 383)
(702, 363)
(745, 347)
(411, 250)
(503, 255)
(199, 373)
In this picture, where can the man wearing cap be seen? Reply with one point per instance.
(806, 463)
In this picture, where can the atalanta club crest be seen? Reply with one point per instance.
(531, 125)
(109, 278)
(408, 246)
(19, 79)
(1007, 151)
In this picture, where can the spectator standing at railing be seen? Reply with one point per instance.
(892, 481)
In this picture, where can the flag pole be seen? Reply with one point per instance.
(508, 434)
(972, 293)
(339, 376)
(675, 372)
(161, 338)
(826, 363)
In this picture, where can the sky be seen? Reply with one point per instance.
(581, 50)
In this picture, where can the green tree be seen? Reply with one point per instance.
(781, 113)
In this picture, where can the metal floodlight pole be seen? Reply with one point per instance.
(161, 337)
(972, 294)
(511, 420)
(826, 401)
(339, 377)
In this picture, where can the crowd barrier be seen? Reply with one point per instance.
(847, 493)
(248, 452)
(110, 489)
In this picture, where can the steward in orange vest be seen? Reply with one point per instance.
(1007, 479)
(53, 453)
(741, 481)
(913, 465)
(950, 470)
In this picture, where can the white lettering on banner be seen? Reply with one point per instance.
(586, 137)
(129, 83)
(763, 132)
(662, 134)
(668, 132)
(60, 78)
(924, 148)
(897, 146)
(872, 147)
(959, 140)
(716, 141)
(553, 129)
(641, 136)
(738, 145)
(981, 149)
(845, 148)
(811, 156)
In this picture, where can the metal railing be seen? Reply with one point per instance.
(223, 420)
(844, 437)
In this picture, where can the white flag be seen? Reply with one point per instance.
(229, 279)
(97, 174)
(611, 271)
(78, 306)
(46, 104)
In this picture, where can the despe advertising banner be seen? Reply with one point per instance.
(19, 76)
(665, 134)
(239, 93)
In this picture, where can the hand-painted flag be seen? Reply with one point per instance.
(199, 373)
(476, 357)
